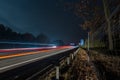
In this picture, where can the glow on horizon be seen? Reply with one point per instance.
(82, 42)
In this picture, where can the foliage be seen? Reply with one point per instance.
(89, 10)
(7, 34)
(42, 38)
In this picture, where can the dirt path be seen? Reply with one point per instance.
(82, 68)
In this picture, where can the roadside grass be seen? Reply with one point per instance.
(107, 62)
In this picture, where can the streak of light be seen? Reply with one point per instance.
(30, 53)
(21, 54)
(26, 43)
(19, 49)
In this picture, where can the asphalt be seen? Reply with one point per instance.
(23, 67)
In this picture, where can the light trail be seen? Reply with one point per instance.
(21, 54)
(26, 43)
(30, 53)
(19, 49)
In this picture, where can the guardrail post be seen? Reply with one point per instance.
(75, 52)
(68, 60)
(57, 72)
(72, 56)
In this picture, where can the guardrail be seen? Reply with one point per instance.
(55, 67)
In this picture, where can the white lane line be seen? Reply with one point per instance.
(29, 78)
(31, 60)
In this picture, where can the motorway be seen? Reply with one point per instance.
(23, 64)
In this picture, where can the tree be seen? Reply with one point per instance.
(2, 28)
(28, 37)
(107, 16)
(8, 34)
(90, 12)
(42, 38)
(93, 15)
(2, 31)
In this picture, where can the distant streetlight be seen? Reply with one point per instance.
(81, 43)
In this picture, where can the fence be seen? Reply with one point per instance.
(107, 62)
(99, 39)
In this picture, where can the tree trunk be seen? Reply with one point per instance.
(107, 16)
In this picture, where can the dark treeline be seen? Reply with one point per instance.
(7, 34)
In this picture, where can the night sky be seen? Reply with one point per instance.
(41, 16)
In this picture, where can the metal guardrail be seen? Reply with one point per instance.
(52, 67)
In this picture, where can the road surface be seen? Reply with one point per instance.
(22, 65)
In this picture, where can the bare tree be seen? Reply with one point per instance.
(93, 15)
